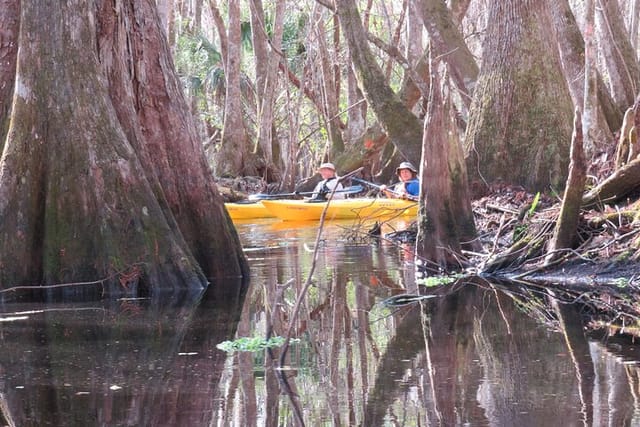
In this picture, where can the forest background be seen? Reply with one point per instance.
(353, 83)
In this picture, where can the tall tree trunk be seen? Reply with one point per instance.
(617, 53)
(446, 217)
(220, 29)
(328, 86)
(459, 9)
(520, 121)
(357, 108)
(166, 9)
(571, 47)
(102, 172)
(634, 25)
(266, 61)
(447, 40)
(401, 125)
(233, 157)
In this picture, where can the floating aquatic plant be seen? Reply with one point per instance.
(252, 344)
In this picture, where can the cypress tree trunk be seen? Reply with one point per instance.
(10, 19)
(520, 121)
(103, 176)
(446, 217)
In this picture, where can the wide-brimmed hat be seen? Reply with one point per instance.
(406, 165)
(327, 166)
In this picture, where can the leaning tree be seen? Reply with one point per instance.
(102, 175)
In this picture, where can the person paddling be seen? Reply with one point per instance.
(409, 185)
(329, 181)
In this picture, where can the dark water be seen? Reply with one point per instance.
(477, 354)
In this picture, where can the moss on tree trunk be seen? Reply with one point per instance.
(103, 176)
(520, 121)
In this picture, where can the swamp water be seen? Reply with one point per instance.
(477, 354)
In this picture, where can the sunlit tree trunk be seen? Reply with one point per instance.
(634, 25)
(328, 85)
(571, 47)
(233, 157)
(267, 57)
(520, 121)
(10, 19)
(221, 29)
(401, 125)
(447, 40)
(617, 54)
(357, 113)
(411, 92)
(459, 9)
(102, 172)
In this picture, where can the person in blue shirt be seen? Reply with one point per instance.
(409, 185)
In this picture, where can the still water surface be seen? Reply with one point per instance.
(477, 354)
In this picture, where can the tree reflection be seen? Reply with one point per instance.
(133, 362)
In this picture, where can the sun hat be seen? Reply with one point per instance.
(406, 165)
(327, 166)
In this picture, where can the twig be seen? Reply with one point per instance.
(62, 285)
(298, 304)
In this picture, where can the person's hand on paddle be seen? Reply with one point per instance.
(387, 192)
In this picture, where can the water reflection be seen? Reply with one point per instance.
(129, 362)
(477, 354)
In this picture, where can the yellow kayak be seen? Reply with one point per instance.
(248, 210)
(303, 210)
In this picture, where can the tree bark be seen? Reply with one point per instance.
(328, 86)
(233, 157)
(266, 63)
(102, 172)
(571, 47)
(446, 218)
(617, 53)
(401, 125)
(519, 126)
(447, 40)
(564, 236)
(10, 19)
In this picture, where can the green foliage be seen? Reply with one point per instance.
(293, 39)
(252, 344)
(534, 204)
(519, 231)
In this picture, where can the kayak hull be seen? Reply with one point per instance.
(357, 208)
(247, 210)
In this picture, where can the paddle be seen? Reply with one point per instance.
(379, 187)
(349, 190)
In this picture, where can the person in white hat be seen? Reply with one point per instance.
(409, 185)
(329, 182)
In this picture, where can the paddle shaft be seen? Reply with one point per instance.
(379, 187)
(349, 190)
